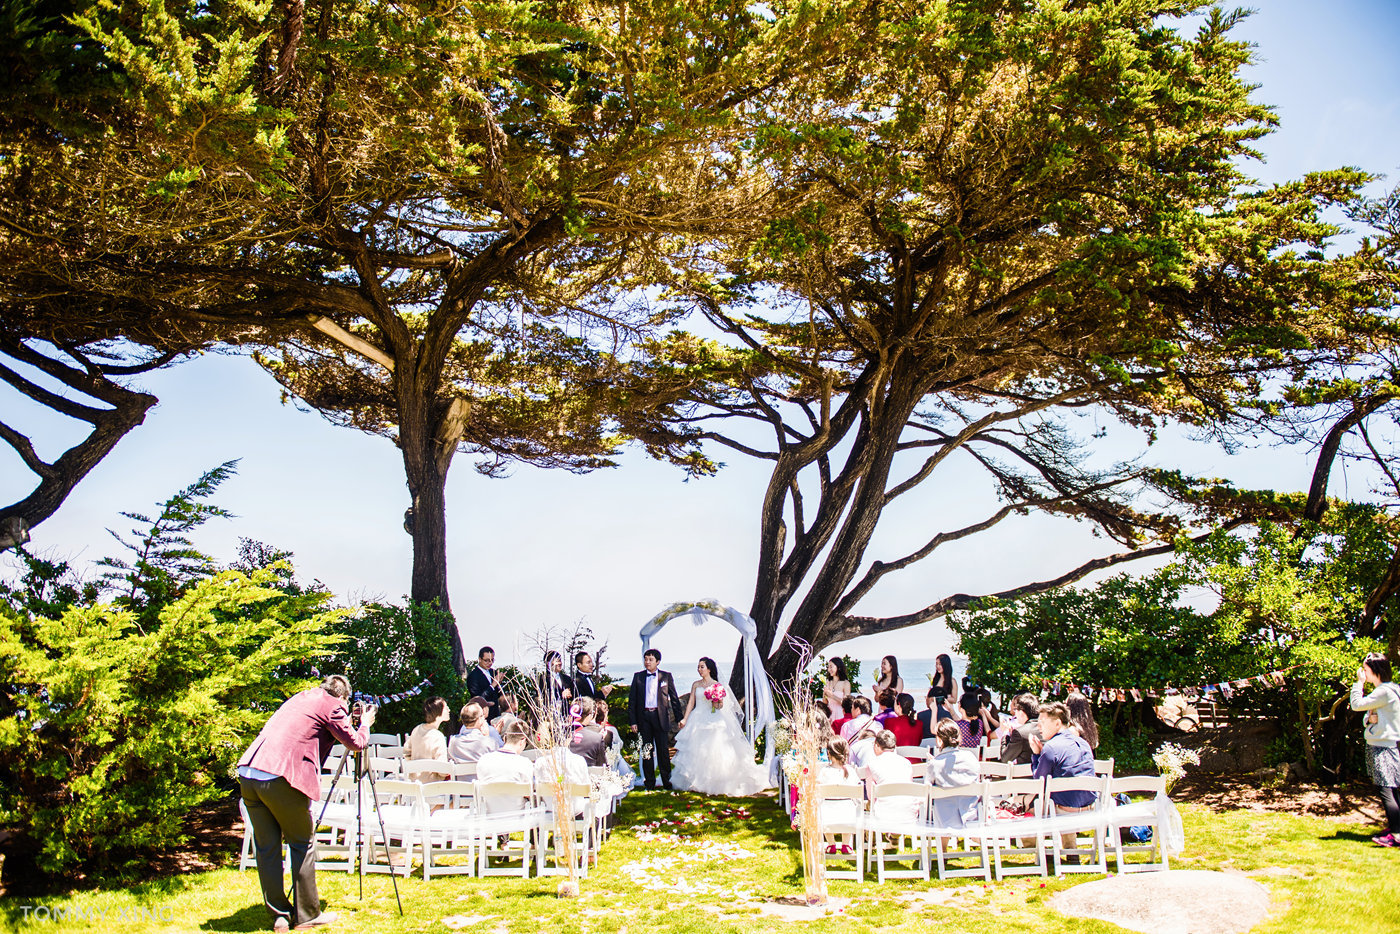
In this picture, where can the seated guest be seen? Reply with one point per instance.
(930, 714)
(846, 711)
(507, 764)
(886, 700)
(591, 740)
(509, 714)
(972, 719)
(1062, 753)
(555, 764)
(886, 766)
(837, 771)
(860, 716)
(1016, 745)
(1081, 717)
(862, 745)
(473, 740)
(620, 766)
(954, 766)
(905, 728)
(427, 742)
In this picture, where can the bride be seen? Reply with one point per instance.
(712, 754)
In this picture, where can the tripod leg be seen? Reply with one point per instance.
(408, 853)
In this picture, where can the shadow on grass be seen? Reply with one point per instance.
(251, 918)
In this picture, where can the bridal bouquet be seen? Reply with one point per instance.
(715, 694)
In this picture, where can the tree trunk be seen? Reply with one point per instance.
(422, 423)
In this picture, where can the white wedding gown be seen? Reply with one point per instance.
(713, 756)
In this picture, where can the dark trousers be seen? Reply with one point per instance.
(279, 812)
(649, 725)
(1390, 800)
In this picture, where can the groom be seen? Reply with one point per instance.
(654, 710)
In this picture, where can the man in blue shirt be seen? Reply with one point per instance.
(1061, 753)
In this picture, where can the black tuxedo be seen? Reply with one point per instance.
(655, 724)
(552, 691)
(587, 686)
(479, 685)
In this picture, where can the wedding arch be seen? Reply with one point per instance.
(758, 708)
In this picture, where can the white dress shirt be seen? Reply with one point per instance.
(503, 766)
(653, 679)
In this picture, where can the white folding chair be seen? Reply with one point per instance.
(392, 810)
(1145, 813)
(1020, 770)
(496, 829)
(945, 840)
(891, 815)
(389, 742)
(1008, 837)
(463, 771)
(992, 769)
(383, 767)
(1072, 823)
(426, 770)
(336, 813)
(913, 752)
(451, 830)
(842, 816)
(247, 854)
(579, 825)
(1104, 767)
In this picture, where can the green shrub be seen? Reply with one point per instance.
(388, 649)
(110, 735)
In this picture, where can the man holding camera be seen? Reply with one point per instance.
(280, 777)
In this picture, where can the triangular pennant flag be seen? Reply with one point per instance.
(1226, 690)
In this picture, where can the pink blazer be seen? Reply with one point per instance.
(299, 736)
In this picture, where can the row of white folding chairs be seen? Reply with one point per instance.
(445, 819)
(396, 766)
(987, 840)
(986, 757)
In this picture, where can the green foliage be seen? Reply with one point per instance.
(387, 649)
(164, 560)
(1123, 632)
(109, 735)
(1288, 598)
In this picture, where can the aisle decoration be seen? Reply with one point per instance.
(682, 833)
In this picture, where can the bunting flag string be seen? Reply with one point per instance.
(1226, 689)
(379, 700)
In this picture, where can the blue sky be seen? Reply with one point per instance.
(612, 548)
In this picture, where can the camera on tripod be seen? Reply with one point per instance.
(358, 709)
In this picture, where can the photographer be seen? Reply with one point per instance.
(279, 776)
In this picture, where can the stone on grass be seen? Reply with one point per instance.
(1181, 901)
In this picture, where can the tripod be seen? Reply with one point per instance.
(360, 773)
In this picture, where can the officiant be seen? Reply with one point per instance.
(485, 681)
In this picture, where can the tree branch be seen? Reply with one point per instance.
(849, 627)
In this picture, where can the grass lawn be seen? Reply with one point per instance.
(717, 872)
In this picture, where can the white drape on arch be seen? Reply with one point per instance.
(758, 708)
